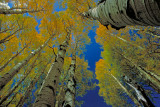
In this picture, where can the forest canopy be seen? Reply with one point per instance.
(43, 47)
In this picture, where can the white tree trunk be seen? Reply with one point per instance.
(120, 13)
(140, 92)
(21, 80)
(71, 85)
(8, 76)
(47, 95)
(128, 93)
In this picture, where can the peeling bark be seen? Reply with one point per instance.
(7, 11)
(128, 93)
(120, 13)
(69, 100)
(8, 76)
(19, 82)
(140, 92)
(152, 79)
(30, 87)
(47, 94)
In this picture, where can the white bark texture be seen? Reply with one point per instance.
(71, 85)
(6, 11)
(8, 76)
(128, 92)
(30, 87)
(47, 95)
(19, 82)
(120, 13)
(152, 79)
(140, 92)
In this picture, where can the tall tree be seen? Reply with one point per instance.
(71, 85)
(8, 76)
(32, 84)
(18, 83)
(140, 92)
(119, 14)
(114, 87)
(47, 94)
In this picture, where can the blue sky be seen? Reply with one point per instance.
(93, 54)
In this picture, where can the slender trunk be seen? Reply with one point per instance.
(19, 82)
(2, 67)
(120, 13)
(0, 25)
(140, 92)
(150, 33)
(127, 41)
(47, 94)
(6, 30)
(69, 100)
(30, 87)
(7, 105)
(153, 80)
(9, 36)
(8, 76)
(60, 95)
(128, 93)
(19, 12)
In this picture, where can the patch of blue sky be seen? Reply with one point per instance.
(43, 51)
(4, 47)
(1, 49)
(37, 27)
(73, 38)
(10, 4)
(58, 7)
(27, 14)
(14, 82)
(133, 33)
(38, 21)
(20, 44)
(154, 94)
(93, 54)
(32, 50)
(133, 38)
(33, 95)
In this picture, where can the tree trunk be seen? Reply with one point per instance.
(132, 44)
(153, 80)
(128, 93)
(8, 76)
(120, 13)
(19, 82)
(2, 67)
(30, 87)
(47, 94)
(60, 96)
(6, 11)
(7, 105)
(9, 37)
(69, 100)
(140, 92)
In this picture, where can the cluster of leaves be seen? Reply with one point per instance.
(19, 39)
(124, 51)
